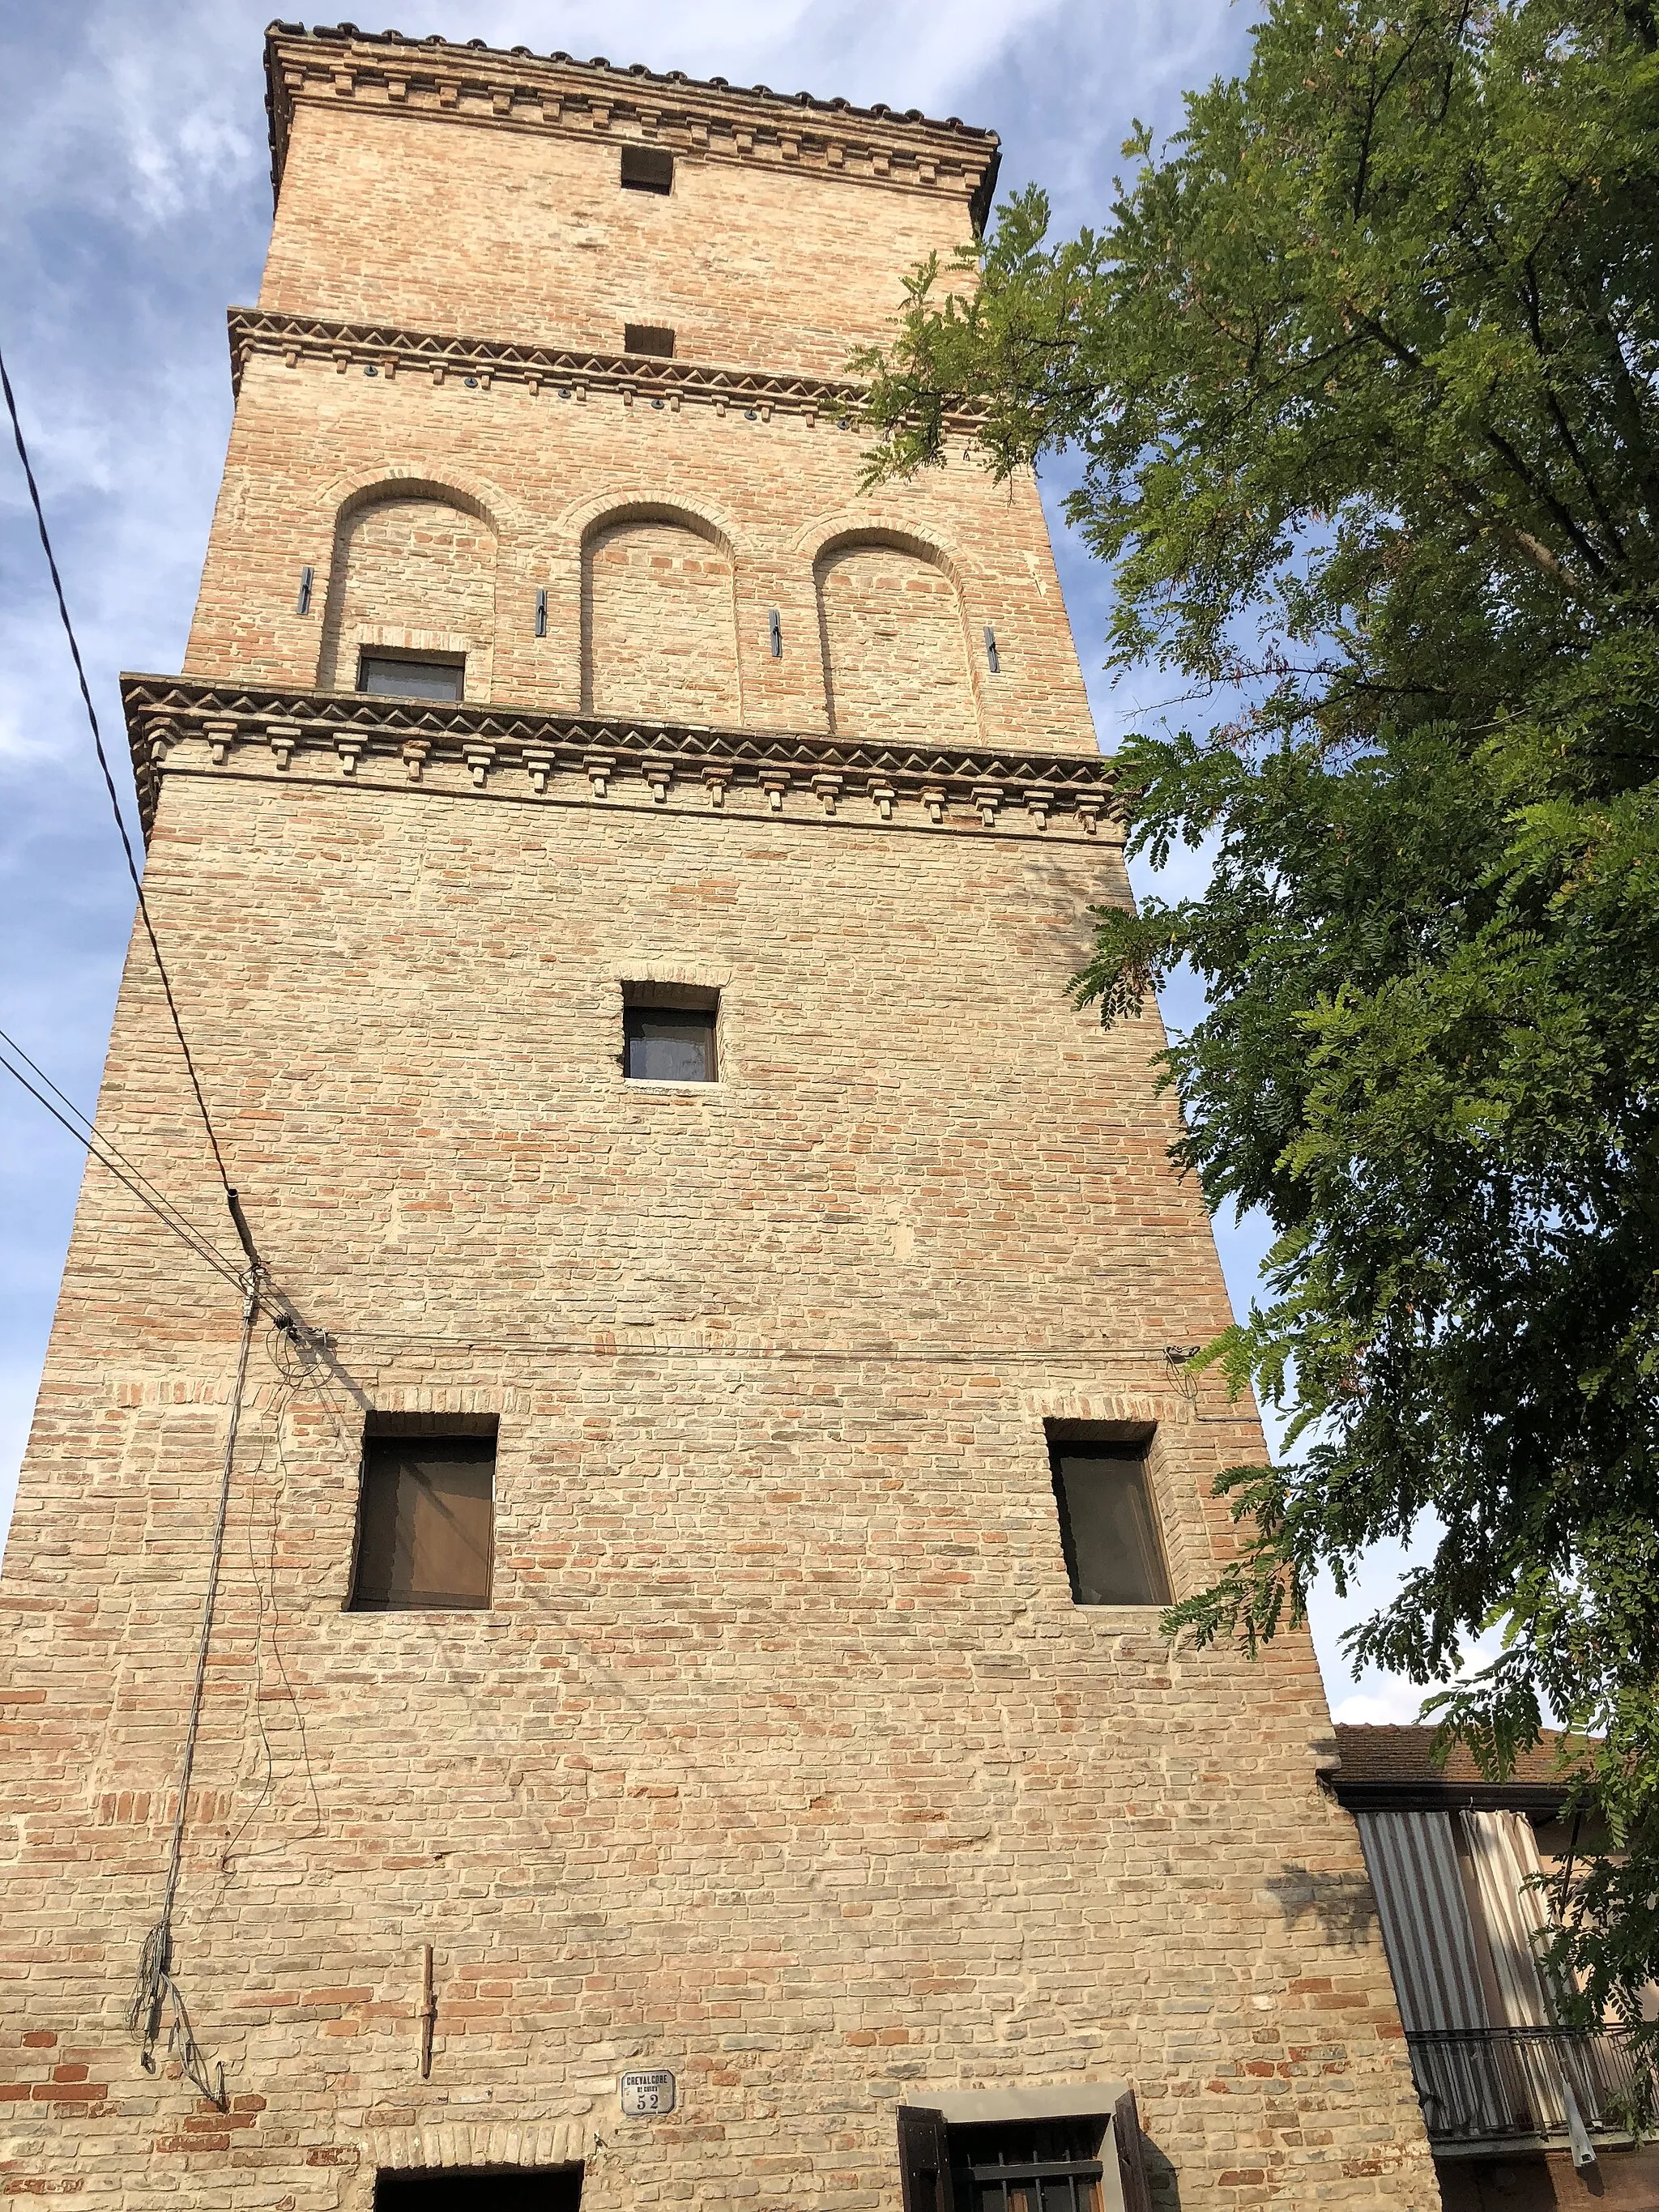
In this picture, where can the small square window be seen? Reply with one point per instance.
(425, 1519)
(669, 1033)
(1108, 1528)
(648, 169)
(648, 337)
(399, 677)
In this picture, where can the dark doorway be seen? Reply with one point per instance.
(481, 2188)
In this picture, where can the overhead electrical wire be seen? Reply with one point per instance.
(121, 820)
(109, 1156)
(95, 1144)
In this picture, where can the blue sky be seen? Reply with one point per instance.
(135, 204)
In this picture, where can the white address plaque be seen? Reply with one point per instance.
(643, 2095)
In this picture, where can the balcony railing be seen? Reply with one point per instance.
(1499, 2084)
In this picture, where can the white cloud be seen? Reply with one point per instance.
(1395, 1706)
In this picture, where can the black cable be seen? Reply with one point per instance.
(109, 785)
(192, 1237)
(92, 1137)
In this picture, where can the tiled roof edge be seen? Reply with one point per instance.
(633, 75)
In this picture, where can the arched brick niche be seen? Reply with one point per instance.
(413, 573)
(895, 655)
(660, 637)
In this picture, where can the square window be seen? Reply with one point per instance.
(648, 169)
(648, 337)
(481, 2189)
(1077, 2161)
(399, 677)
(669, 1034)
(425, 1518)
(1108, 1528)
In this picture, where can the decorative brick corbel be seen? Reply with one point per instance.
(281, 737)
(828, 788)
(987, 797)
(537, 765)
(221, 736)
(932, 798)
(600, 766)
(351, 750)
(1039, 802)
(415, 756)
(774, 782)
(480, 759)
(163, 736)
(716, 781)
(1088, 813)
(882, 797)
(658, 775)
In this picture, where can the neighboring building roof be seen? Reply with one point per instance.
(1394, 1766)
(872, 133)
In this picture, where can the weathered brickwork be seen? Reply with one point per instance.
(782, 1758)
(550, 476)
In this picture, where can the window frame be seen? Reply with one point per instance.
(1126, 1441)
(937, 2137)
(365, 653)
(674, 998)
(437, 1428)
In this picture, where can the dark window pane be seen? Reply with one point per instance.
(669, 1044)
(1110, 1537)
(648, 169)
(648, 337)
(558, 2189)
(411, 679)
(424, 1525)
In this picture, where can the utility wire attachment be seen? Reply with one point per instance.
(155, 1996)
(109, 780)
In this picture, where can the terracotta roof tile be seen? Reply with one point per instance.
(1382, 1755)
(335, 33)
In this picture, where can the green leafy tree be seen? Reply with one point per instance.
(1360, 381)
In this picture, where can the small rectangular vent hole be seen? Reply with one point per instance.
(648, 337)
(648, 169)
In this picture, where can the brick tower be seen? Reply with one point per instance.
(683, 1720)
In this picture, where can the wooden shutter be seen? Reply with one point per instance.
(1131, 2157)
(924, 2160)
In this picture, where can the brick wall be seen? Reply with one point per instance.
(782, 1758)
(409, 219)
(414, 574)
(658, 625)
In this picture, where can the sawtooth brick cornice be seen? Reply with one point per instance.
(714, 121)
(505, 750)
(392, 350)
